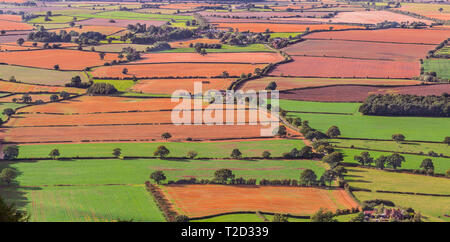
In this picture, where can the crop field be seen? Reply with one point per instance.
(357, 93)
(212, 57)
(307, 66)
(440, 66)
(88, 155)
(175, 70)
(262, 27)
(47, 59)
(168, 86)
(359, 50)
(287, 83)
(432, 36)
(203, 200)
(39, 76)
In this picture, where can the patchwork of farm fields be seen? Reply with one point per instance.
(99, 98)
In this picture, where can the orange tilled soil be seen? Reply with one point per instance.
(261, 27)
(175, 70)
(210, 57)
(6, 86)
(202, 200)
(8, 25)
(66, 59)
(168, 86)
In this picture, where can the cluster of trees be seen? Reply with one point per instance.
(158, 46)
(45, 36)
(9, 213)
(406, 105)
(435, 52)
(395, 160)
(76, 82)
(308, 131)
(241, 38)
(90, 37)
(152, 34)
(101, 88)
(131, 54)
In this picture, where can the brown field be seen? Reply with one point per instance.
(426, 36)
(168, 86)
(264, 57)
(184, 5)
(286, 83)
(175, 70)
(11, 17)
(261, 27)
(11, 25)
(359, 93)
(5, 47)
(203, 200)
(353, 49)
(185, 44)
(344, 67)
(26, 88)
(66, 59)
(28, 45)
(106, 30)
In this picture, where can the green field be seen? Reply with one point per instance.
(413, 147)
(177, 149)
(135, 15)
(444, 51)
(39, 76)
(54, 19)
(440, 66)
(87, 204)
(137, 171)
(225, 49)
(432, 208)
(303, 106)
(441, 165)
(120, 85)
(379, 127)
(284, 34)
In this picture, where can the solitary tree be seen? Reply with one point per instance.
(281, 131)
(222, 175)
(117, 152)
(333, 132)
(271, 86)
(56, 67)
(161, 151)
(395, 160)
(54, 98)
(308, 177)
(20, 41)
(7, 175)
(54, 154)
(10, 152)
(192, 154)
(26, 98)
(280, 218)
(398, 137)
(266, 154)
(427, 165)
(158, 176)
(9, 213)
(447, 140)
(102, 55)
(236, 154)
(125, 71)
(166, 136)
(64, 95)
(334, 158)
(323, 215)
(8, 112)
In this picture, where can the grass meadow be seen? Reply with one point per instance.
(440, 66)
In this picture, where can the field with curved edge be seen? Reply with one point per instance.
(203, 200)
(168, 86)
(39, 76)
(262, 27)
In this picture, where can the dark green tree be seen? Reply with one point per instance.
(9, 213)
(223, 175)
(266, 154)
(117, 152)
(158, 176)
(161, 151)
(236, 154)
(166, 136)
(333, 132)
(323, 216)
(54, 154)
(308, 177)
(364, 159)
(10, 152)
(427, 165)
(395, 160)
(398, 137)
(8, 175)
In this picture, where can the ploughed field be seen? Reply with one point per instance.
(204, 200)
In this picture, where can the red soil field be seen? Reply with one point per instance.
(426, 36)
(285, 83)
(261, 27)
(264, 15)
(175, 70)
(342, 48)
(264, 57)
(29, 45)
(43, 97)
(203, 200)
(359, 93)
(168, 86)
(11, 17)
(118, 22)
(11, 25)
(6, 86)
(185, 44)
(344, 67)
(106, 30)
(66, 59)
(4, 47)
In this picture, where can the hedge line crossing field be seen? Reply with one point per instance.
(219, 149)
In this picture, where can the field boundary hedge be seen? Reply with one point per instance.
(390, 151)
(161, 201)
(405, 171)
(248, 212)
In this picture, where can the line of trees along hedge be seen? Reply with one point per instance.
(406, 105)
(149, 35)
